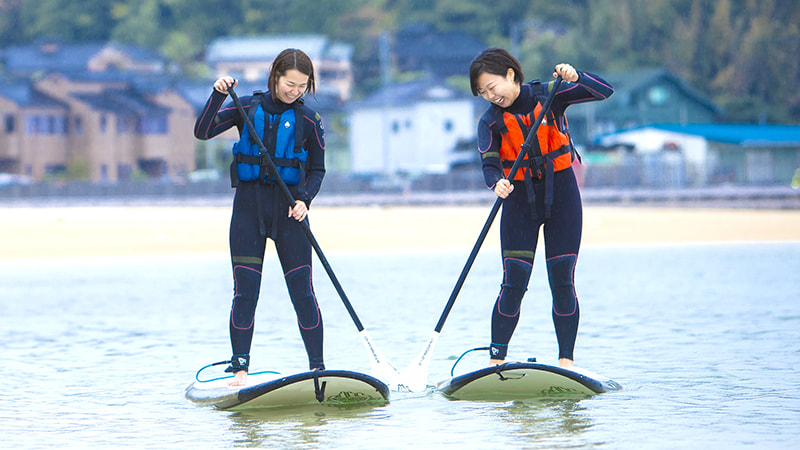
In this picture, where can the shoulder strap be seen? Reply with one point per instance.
(255, 101)
(499, 121)
(540, 90)
(298, 126)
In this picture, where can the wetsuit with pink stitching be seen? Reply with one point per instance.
(519, 225)
(260, 211)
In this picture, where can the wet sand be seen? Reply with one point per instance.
(37, 232)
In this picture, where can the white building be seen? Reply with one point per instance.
(409, 128)
(250, 57)
(714, 153)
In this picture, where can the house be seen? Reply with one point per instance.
(418, 47)
(250, 57)
(641, 97)
(702, 154)
(33, 132)
(110, 125)
(410, 127)
(103, 109)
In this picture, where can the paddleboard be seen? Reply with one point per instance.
(518, 380)
(328, 387)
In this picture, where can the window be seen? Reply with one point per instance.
(103, 123)
(35, 124)
(78, 125)
(9, 123)
(57, 125)
(55, 169)
(657, 95)
(153, 125)
(448, 125)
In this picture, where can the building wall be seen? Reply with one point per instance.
(10, 136)
(416, 138)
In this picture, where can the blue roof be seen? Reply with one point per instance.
(122, 101)
(23, 94)
(53, 55)
(747, 135)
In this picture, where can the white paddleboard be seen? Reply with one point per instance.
(519, 380)
(329, 387)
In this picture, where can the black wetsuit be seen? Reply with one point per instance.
(519, 231)
(260, 211)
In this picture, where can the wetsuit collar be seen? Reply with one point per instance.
(523, 102)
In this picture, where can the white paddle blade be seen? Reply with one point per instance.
(414, 378)
(381, 368)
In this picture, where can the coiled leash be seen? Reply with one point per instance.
(197, 375)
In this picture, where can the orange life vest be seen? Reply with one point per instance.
(550, 152)
(551, 140)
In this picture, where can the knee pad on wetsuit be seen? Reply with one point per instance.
(515, 283)
(298, 281)
(247, 284)
(561, 273)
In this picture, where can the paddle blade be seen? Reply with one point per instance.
(381, 368)
(414, 378)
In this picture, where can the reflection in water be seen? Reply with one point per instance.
(303, 425)
(546, 418)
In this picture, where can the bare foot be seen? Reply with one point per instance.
(565, 363)
(240, 379)
(496, 362)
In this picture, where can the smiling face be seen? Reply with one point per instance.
(291, 86)
(500, 90)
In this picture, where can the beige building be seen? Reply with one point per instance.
(111, 128)
(97, 109)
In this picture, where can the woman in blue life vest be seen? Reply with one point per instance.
(293, 135)
(543, 192)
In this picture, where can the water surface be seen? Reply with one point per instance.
(705, 340)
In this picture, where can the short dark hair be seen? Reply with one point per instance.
(495, 61)
(291, 58)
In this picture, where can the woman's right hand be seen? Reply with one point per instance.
(503, 187)
(222, 84)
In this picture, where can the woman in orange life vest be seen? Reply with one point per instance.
(544, 192)
(293, 134)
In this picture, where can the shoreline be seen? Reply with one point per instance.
(79, 231)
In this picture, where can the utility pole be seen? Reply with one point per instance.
(385, 60)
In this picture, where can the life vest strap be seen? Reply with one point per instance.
(539, 161)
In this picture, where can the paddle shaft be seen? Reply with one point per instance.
(288, 194)
(488, 224)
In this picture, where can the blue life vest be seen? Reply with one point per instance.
(281, 135)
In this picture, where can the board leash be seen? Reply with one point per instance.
(452, 369)
(197, 375)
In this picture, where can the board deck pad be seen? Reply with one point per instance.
(328, 387)
(525, 380)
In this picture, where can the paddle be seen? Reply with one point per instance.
(380, 366)
(414, 376)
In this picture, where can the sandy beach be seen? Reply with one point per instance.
(43, 232)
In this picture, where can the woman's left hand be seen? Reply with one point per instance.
(567, 72)
(299, 212)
